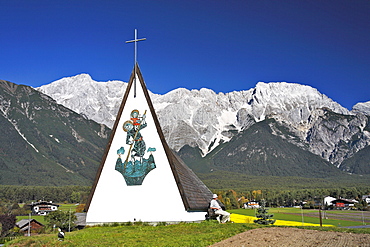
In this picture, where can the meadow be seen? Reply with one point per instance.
(192, 234)
(141, 234)
(310, 217)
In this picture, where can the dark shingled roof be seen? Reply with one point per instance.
(194, 193)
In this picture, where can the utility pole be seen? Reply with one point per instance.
(302, 214)
(69, 222)
(29, 224)
(320, 207)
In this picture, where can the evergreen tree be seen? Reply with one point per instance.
(7, 222)
(262, 215)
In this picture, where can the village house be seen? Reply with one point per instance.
(366, 198)
(251, 204)
(42, 207)
(31, 224)
(344, 203)
(328, 201)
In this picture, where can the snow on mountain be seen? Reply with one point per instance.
(209, 114)
(202, 117)
(363, 108)
(98, 101)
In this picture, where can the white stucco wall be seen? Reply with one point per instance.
(157, 199)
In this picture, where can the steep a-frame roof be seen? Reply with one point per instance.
(194, 193)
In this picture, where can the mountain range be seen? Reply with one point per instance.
(56, 134)
(204, 119)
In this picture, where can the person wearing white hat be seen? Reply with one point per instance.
(215, 206)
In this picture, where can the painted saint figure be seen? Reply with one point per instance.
(134, 137)
(135, 169)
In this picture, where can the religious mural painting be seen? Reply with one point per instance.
(135, 166)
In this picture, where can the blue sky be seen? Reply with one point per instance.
(222, 45)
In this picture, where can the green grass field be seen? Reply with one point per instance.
(67, 207)
(185, 234)
(332, 217)
(36, 217)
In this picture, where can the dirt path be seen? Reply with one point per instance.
(279, 236)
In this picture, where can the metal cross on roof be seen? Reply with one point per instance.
(135, 56)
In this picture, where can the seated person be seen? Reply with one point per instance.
(215, 206)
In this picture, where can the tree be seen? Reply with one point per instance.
(62, 219)
(242, 200)
(227, 203)
(80, 208)
(256, 194)
(75, 197)
(361, 205)
(262, 215)
(7, 222)
(232, 195)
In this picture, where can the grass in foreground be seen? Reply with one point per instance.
(183, 234)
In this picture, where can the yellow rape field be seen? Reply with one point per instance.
(238, 218)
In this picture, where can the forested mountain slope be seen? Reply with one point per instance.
(44, 143)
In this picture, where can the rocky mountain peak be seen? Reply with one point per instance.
(362, 107)
(202, 117)
(96, 100)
